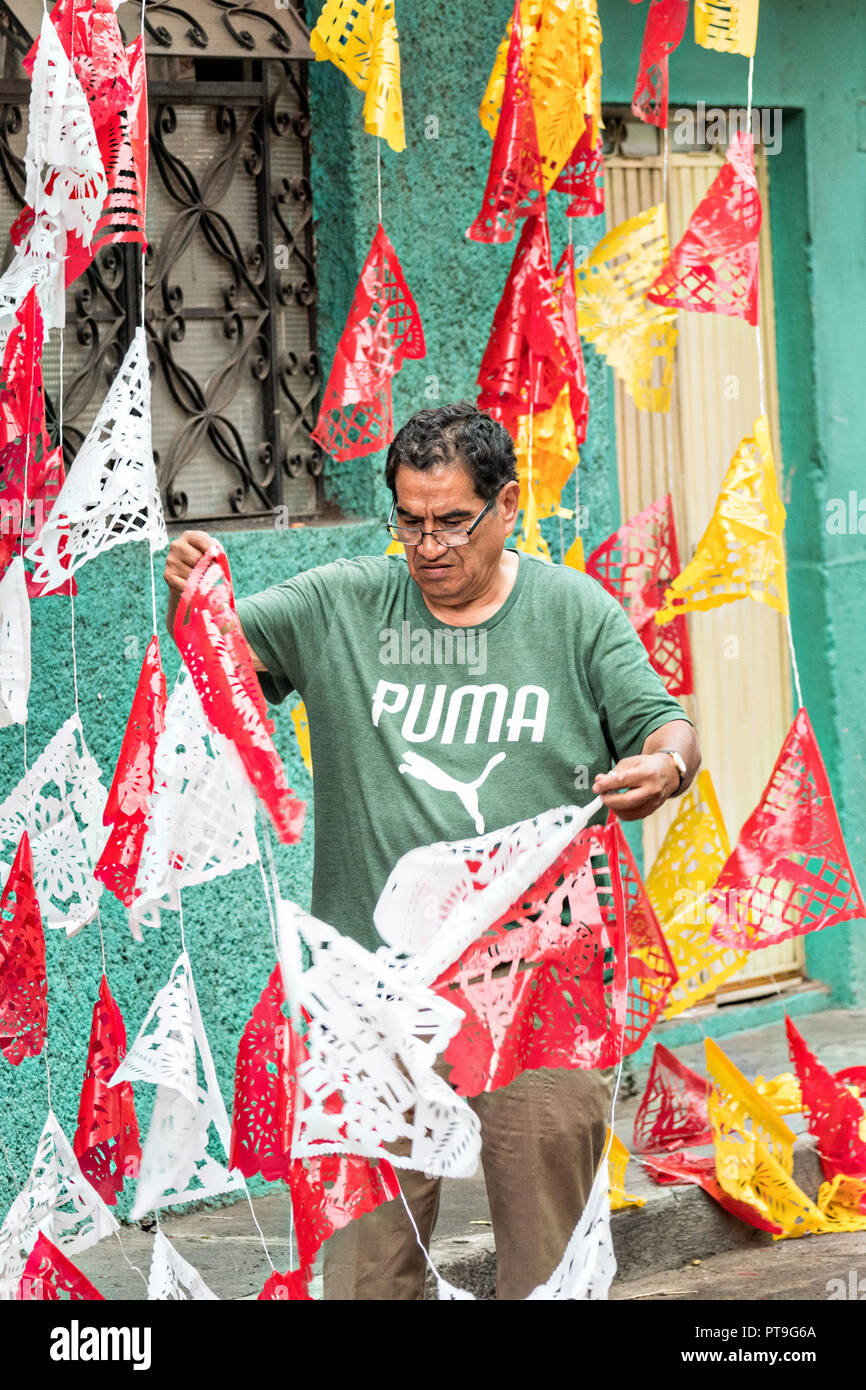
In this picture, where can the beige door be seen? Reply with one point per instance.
(742, 703)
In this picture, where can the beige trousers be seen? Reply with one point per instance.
(541, 1141)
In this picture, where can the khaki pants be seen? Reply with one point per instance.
(541, 1141)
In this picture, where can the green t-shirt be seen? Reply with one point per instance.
(420, 731)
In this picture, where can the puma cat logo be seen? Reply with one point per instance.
(428, 772)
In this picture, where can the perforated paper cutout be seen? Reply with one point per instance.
(534, 350)
(582, 176)
(587, 1268)
(789, 872)
(651, 970)
(23, 982)
(383, 328)
(636, 564)
(172, 1278)
(106, 1141)
(59, 803)
(331, 1190)
(782, 1091)
(688, 863)
(360, 38)
(636, 337)
(617, 1162)
(50, 1277)
(837, 1120)
(685, 1167)
(514, 182)
(57, 1200)
(44, 482)
(713, 269)
(673, 1109)
(291, 1287)
(37, 264)
(754, 1150)
(741, 553)
(14, 645)
(530, 540)
(111, 493)
(22, 399)
(728, 26)
(269, 1054)
(842, 1203)
(203, 812)
(665, 25)
(301, 724)
(210, 640)
(554, 454)
(91, 39)
(373, 1037)
(128, 804)
(176, 1165)
(65, 173)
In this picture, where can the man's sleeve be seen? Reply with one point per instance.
(631, 698)
(287, 627)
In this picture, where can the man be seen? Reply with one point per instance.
(458, 690)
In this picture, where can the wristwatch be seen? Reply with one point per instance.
(679, 764)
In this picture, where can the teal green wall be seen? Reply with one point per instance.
(430, 195)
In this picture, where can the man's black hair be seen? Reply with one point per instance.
(455, 433)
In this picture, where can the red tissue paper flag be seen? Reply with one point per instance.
(692, 1168)
(210, 640)
(382, 329)
(713, 269)
(665, 25)
(106, 1141)
(515, 183)
(49, 1276)
(123, 145)
(651, 970)
(92, 41)
(126, 808)
(269, 1053)
(290, 1287)
(673, 1109)
(536, 987)
(534, 348)
(328, 1191)
(22, 394)
(836, 1118)
(636, 564)
(789, 872)
(582, 176)
(43, 488)
(23, 983)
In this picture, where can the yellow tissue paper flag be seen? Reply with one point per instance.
(574, 556)
(302, 734)
(554, 454)
(842, 1202)
(360, 38)
(741, 554)
(562, 56)
(636, 336)
(617, 1161)
(686, 867)
(530, 540)
(728, 26)
(782, 1091)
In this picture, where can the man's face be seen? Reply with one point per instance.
(445, 497)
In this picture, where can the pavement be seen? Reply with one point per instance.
(679, 1246)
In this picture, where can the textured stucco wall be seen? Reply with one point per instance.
(430, 195)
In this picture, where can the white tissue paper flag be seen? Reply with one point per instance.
(56, 1199)
(587, 1268)
(37, 264)
(110, 494)
(171, 1277)
(59, 802)
(65, 173)
(175, 1163)
(14, 644)
(439, 898)
(373, 1038)
(202, 820)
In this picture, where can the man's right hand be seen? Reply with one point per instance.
(183, 556)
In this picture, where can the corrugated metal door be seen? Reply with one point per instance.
(742, 702)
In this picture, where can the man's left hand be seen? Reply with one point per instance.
(638, 786)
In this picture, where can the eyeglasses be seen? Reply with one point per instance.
(413, 535)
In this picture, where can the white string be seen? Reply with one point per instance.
(101, 942)
(271, 914)
(180, 913)
(665, 144)
(379, 173)
(794, 667)
(47, 1071)
(260, 1231)
(749, 95)
(129, 1261)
